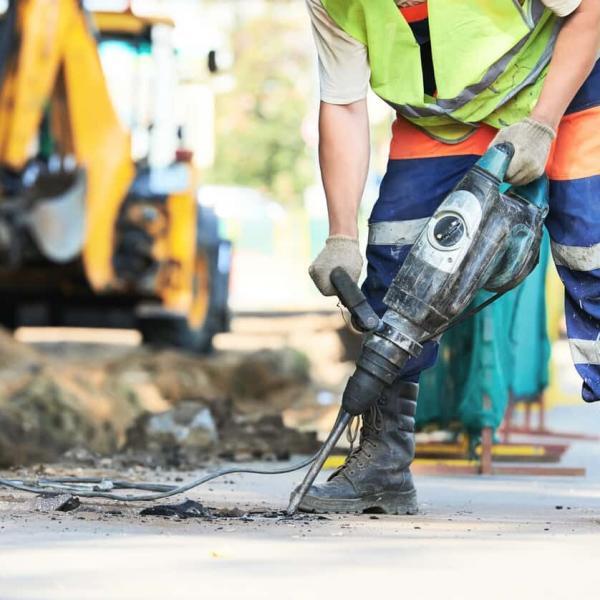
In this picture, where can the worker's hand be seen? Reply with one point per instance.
(340, 251)
(531, 141)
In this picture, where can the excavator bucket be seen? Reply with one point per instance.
(57, 217)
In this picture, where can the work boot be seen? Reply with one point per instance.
(376, 475)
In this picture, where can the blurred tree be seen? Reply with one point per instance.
(259, 121)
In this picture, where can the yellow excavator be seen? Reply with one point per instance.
(99, 219)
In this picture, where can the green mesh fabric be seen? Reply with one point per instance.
(501, 352)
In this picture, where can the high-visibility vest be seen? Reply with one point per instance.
(490, 59)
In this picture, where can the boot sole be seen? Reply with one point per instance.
(389, 503)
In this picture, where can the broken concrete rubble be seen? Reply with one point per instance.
(188, 434)
(187, 509)
(182, 435)
(190, 509)
(265, 436)
(59, 502)
(176, 407)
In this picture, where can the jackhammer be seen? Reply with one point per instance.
(484, 235)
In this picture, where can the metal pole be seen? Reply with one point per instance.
(299, 493)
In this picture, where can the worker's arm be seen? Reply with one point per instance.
(344, 142)
(574, 56)
(344, 149)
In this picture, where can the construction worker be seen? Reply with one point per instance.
(461, 75)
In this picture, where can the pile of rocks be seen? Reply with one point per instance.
(173, 407)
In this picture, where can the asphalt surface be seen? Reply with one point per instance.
(476, 537)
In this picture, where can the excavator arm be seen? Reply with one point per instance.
(55, 67)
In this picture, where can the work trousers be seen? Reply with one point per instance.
(422, 171)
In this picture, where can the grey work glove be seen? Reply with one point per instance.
(340, 251)
(531, 141)
(562, 7)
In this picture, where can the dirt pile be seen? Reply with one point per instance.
(174, 407)
(44, 418)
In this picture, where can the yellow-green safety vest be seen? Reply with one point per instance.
(490, 59)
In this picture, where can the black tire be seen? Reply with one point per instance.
(8, 314)
(171, 331)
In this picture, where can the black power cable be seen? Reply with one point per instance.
(91, 487)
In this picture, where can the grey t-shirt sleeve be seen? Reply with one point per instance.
(344, 70)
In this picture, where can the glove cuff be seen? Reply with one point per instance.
(562, 8)
(333, 240)
(540, 131)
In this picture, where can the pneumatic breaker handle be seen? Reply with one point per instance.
(364, 317)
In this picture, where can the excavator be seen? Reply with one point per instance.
(100, 224)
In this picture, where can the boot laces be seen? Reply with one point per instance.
(372, 424)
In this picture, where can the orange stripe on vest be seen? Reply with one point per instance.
(415, 13)
(408, 141)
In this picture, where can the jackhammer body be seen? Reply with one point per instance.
(482, 236)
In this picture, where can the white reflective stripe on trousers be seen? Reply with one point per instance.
(578, 258)
(585, 352)
(396, 233)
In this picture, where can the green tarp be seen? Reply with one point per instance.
(499, 354)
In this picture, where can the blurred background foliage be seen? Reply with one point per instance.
(260, 119)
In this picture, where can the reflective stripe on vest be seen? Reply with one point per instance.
(489, 56)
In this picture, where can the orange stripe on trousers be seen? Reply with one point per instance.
(576, 151)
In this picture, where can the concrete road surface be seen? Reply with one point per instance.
(485, 538)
